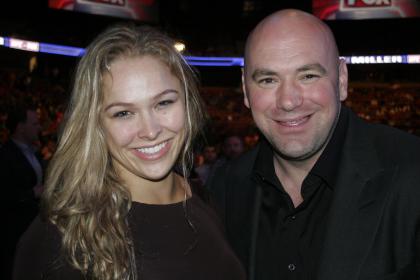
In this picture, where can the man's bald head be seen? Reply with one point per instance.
(291, 24)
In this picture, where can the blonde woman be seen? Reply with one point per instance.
(114, 206)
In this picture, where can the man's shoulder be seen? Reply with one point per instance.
(389, 142)
(8, 148)
(10, 156)
(395, 143)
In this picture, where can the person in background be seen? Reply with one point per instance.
(210, 155)
(324, 195)
(233, 147)
(21, 177)
(116, 203)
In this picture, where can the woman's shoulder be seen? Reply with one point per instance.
(40, 236)
(37, 247)
(38, 252)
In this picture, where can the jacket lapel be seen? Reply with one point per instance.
(356, 210)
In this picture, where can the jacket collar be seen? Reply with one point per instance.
(363, 186)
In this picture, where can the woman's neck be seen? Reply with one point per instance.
(171, 189)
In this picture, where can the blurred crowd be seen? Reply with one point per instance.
(395, 104)
(46, 91)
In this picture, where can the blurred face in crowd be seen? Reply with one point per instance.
(143, 118)
(294, 83)
(29, 130)
(233, 147)
(210, 154)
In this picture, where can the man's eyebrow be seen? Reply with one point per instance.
(262, 72)
(313, 66)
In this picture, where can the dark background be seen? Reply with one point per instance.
(210, 28)
(384, 93)
(206, 26)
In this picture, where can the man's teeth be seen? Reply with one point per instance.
(294, 122)
(152, 150)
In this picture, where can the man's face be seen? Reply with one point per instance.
(209, 154)
(293, 85)
(233, 147)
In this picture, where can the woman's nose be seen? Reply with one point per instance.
(149, 127)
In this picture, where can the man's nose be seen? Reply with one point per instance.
(289, 96)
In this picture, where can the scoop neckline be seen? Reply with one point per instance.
(142, 204)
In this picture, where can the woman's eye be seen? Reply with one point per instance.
(164, 103)
(122, 114)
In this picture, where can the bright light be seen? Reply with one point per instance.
(413, 58)
(24, 45)
(63, 50)
(200, 60)
(179, 46)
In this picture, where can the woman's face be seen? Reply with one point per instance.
(143, 118)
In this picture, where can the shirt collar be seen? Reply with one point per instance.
(264, 165)
(326, 166)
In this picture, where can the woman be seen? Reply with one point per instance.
(114, 207)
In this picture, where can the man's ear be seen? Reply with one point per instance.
(343, 77)
(246, 101)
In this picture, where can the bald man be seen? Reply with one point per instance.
(324, 195)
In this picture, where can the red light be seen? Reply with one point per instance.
(367, 3)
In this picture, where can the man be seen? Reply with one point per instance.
(233, 146)
(210, 155)
(324, 195)
(21, 179)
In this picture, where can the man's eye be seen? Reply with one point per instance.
(122, 114)
(266, 81)
(310, 77)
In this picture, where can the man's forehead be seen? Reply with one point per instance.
(296, 30)
(299, 52)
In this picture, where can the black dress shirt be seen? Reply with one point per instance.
(292, 238)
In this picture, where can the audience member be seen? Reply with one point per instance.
(233, 147)
(210, 156)
(21, 176)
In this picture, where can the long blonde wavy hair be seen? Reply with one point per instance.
(83, 195)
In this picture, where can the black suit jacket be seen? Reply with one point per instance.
(16, 175)
(17, 201)
(373, 227)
